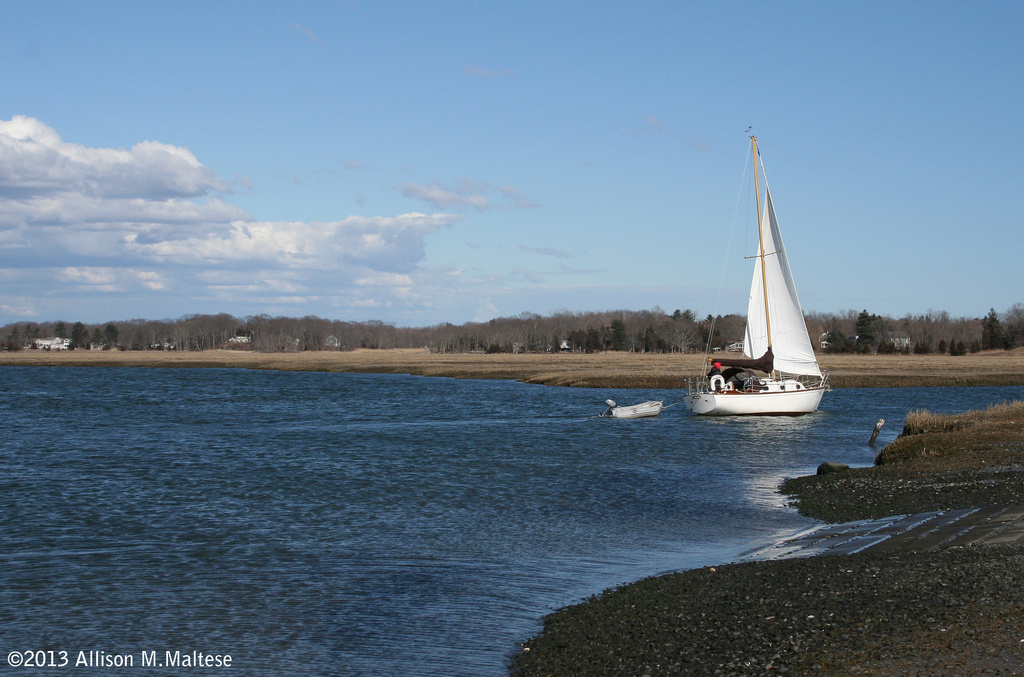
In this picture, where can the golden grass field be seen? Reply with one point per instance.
(605, 370)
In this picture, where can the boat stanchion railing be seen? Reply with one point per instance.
(697, 386)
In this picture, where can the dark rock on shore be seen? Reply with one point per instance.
(950, 612)
(831, 466)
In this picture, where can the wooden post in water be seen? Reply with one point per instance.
(878, 427)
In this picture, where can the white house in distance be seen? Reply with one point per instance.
(53, 344)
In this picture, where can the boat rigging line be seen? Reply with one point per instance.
(725, 259)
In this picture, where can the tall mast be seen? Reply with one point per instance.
(760, 242)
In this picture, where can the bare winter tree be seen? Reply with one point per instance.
(629, 330)
(1013, 326)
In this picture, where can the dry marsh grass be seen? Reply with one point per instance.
(987, 431)
(604, 370)
(996, 368)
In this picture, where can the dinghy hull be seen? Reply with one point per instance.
(644, 410)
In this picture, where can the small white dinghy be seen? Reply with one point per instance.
(642, 410)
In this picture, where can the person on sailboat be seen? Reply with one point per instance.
(715, 378)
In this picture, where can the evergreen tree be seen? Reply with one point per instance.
(837, 342)
(886, 348)
(110, 334)
(14, 339)
(618, 329)
(870, 329)
(79, 336)
(992, 332)
(684, 315)
(867, 329)
(709, 338)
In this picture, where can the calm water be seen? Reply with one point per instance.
(338, 524)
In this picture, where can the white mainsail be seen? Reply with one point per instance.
(789, 340)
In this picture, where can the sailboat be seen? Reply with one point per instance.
(778, 373)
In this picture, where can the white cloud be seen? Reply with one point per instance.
(442, 198)
(385, 280)
(151, 280)
(257, 282)
(101, 277)
(108, 279)
(150, 224)
(486, 310)
(35, 162)
(25, 309)
(511, 193)
(91, 213)
(547, 251)
(467, 193)
(378, 243)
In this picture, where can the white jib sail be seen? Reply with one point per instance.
(790, 342)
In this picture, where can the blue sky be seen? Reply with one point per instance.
(427, 162)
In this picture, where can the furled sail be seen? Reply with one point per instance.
(789, 340)
(765, 363)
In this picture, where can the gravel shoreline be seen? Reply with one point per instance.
(955, 611)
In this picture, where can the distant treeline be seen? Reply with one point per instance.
(628, 330)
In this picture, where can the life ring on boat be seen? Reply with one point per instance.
(717, 383)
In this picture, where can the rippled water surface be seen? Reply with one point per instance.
(339, 524)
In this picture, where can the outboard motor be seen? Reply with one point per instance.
(611, 405)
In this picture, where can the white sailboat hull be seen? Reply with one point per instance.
(739, 403)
